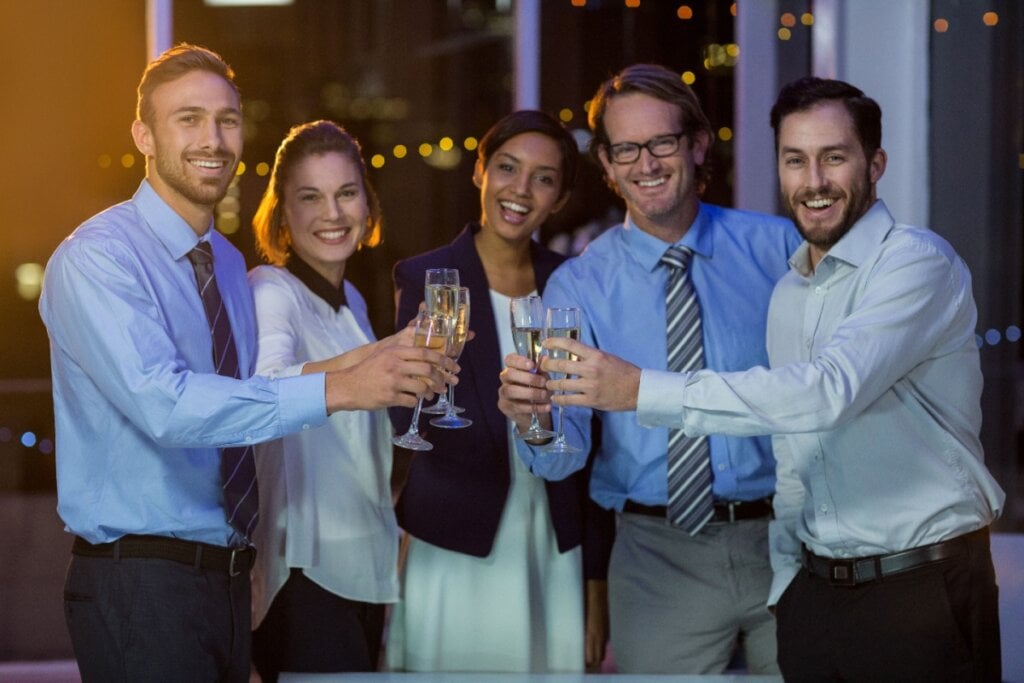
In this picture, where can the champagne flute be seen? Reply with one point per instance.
(432, 332)
(440, 295)
(527, 314)
(451, 420)
(562, 322)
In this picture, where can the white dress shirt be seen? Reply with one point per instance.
(325, 496)
(873, 397)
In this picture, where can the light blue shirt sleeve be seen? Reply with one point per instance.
(137, 403)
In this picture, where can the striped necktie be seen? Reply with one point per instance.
(690, 504)
(237, 464)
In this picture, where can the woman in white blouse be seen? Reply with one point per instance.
(327, 538)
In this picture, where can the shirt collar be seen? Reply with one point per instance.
(169, 228)
(648, 249)
(317, 283)
(856, 245)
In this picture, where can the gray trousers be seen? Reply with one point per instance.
(681, 604)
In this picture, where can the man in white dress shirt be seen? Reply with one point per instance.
(880, 540)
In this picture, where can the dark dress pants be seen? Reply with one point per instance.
(311, 630)
(938, 622)
(142, 619)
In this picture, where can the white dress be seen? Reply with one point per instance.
(325, 493)
(520, 609)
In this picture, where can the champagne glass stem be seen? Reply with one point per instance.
(414, 428)
(451, 401)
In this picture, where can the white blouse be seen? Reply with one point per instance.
(325, 493)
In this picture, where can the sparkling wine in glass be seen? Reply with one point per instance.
(440, 296)
(432, 332)
(451, 420)
(562, 322)
(527, 314)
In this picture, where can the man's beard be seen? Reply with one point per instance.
(858, 201)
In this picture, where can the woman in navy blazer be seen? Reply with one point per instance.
(493, 574)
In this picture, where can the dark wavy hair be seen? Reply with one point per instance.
(804, 93)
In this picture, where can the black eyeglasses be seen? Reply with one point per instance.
(660, 146)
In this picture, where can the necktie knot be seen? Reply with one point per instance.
(677, 257)
(201, 255)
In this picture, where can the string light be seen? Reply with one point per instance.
(990, 18)
(941, 25)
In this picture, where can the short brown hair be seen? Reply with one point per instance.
(659, 82)
(305, 140)
(174, 63)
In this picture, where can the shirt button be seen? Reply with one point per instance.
(818, 289)
(823, 508)
(305, 426)
(248, 439)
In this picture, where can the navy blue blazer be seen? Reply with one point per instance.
(455, 494)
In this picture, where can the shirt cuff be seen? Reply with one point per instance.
(659, 402)
(302, 401)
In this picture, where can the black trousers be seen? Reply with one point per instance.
(311, 630)
(938, 622)
(142, 619)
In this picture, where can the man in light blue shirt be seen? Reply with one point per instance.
(880, 544)
(158, 586)
(678, 603)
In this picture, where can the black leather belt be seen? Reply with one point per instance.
(725, 511)
(860, 570)
(234, 561)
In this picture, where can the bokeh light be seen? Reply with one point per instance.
(941, 25)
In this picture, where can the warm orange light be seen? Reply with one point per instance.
(732, 9)
(565, 115)
(446, 144)
(941, 25)
(377, 160)
(240, 169)
(725, 133)
(262, 169)
(104, 161)
(579, 3)
(632, 3)
(990, 18)
(807, 19)
(127, 160)
(399, 151)
(785, 34)
(689, 77)
(788, 19)
(470, 143)
(425, 150)
(684, 12)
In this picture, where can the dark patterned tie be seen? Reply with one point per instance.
(237, 464)
(690, 504)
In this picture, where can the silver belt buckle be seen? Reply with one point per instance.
(231, 566)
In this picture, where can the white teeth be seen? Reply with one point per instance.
(207, 163)
(819, 203)
(651, 183)
(512, 206)
(332, 234)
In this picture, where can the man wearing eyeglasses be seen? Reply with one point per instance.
(681, 596)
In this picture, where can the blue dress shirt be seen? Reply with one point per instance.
(140, 411)
(619, 284)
